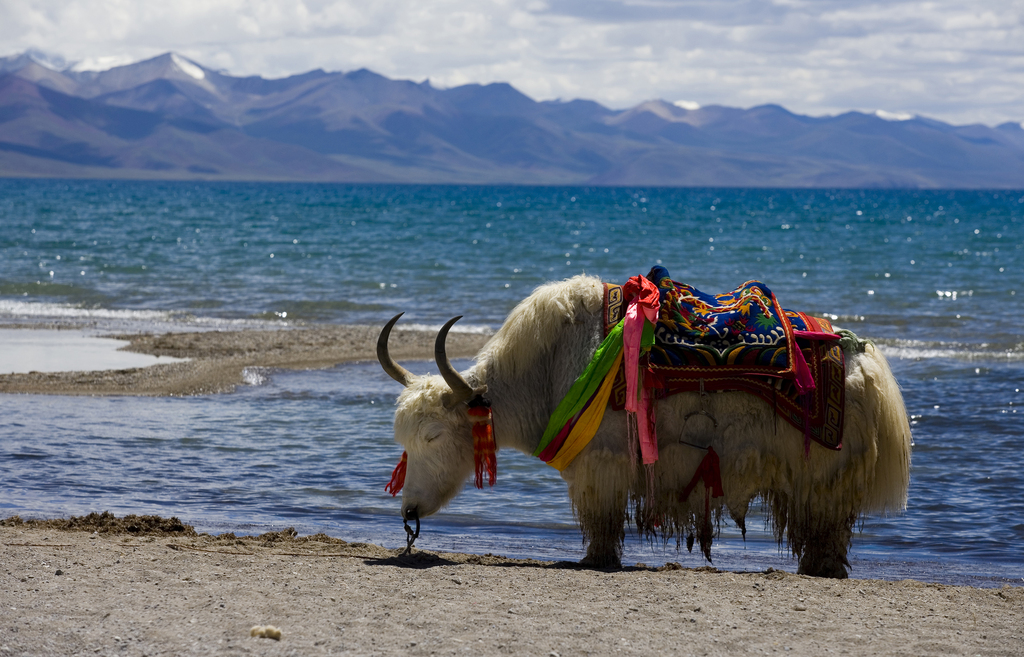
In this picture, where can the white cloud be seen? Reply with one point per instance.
(939, 58)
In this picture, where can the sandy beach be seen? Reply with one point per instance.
(218, 359)
(144, 586)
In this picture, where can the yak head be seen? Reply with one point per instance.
(432, 424)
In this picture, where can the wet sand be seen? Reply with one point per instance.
(133, 588)
(218, 359)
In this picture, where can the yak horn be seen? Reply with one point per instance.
(394, 370)
(461, 390)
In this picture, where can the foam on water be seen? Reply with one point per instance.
(459, 327)
(254, 376)
(128, 320)
(14, 310)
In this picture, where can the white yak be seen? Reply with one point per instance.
(812, 501)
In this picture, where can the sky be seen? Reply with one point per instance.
(956, 61)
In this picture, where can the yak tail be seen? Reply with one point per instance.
(888, 493)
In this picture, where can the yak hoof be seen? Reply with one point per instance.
(601, 561)
(603, 551)
(826, 568)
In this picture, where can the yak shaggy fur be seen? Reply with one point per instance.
(813, 502)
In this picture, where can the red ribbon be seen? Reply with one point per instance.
(710, 473)
(398, 476)
(644, 303)
(484, 457)
(645, 292)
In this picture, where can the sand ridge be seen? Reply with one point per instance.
(220, 359)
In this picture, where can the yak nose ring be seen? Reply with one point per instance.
(411, 535)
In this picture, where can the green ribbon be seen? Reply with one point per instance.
(585, 386)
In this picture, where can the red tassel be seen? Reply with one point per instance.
(709, 472)
(484, 457)
(398, 476)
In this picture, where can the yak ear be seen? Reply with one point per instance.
(393, 369)
(461, 390)
(449, 400)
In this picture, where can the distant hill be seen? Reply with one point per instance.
(171, 118)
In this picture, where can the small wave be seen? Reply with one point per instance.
(479, 329)
(922, 350)
(24, 309)
(13, 310)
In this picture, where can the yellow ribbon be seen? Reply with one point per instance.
(586, 427)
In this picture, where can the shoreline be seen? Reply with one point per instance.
(218, 359)
(154, 586)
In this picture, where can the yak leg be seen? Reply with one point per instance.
(824, 548)
(605, 535)
(599, 484)
(821, 543)
(819, 538)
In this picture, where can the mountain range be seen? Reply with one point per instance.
(171, 118)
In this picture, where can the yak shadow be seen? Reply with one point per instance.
(421, 560)
(414, 561)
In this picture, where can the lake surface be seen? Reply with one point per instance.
(935, 278)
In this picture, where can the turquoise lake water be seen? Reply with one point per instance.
(935, 278)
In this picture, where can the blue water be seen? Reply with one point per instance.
(933, 277)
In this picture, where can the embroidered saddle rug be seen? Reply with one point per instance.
(741, 341)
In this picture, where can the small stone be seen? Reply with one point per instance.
(265, 631)
(799, 608)
(59, 572)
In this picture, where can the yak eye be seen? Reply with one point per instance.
(432, 431)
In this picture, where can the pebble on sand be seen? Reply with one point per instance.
(267, 631)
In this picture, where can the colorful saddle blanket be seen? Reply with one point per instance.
(740, 341)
